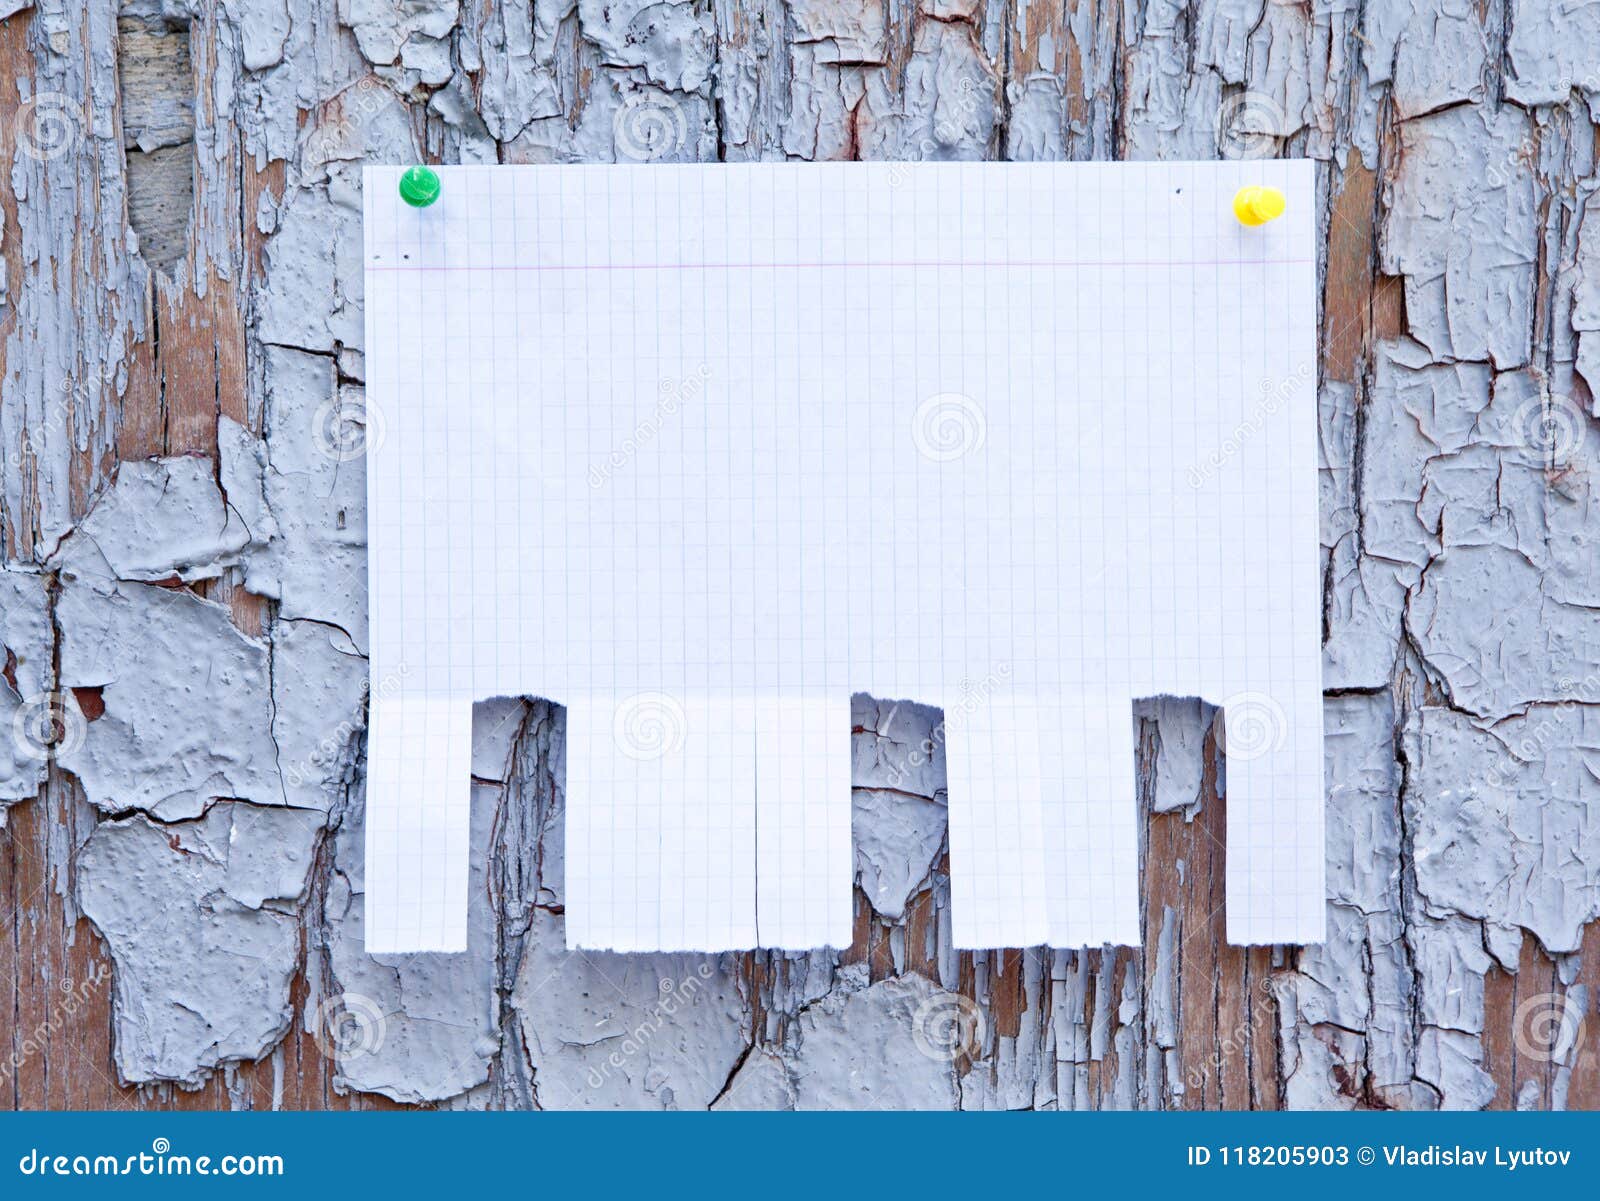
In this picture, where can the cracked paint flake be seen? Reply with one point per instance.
(1503, 820)
(25, 641)
(161, 519)
(609, 1031)
(187, 700)
(433, 1032)
(1460, 229)
(314, 487)
(201, 925)
(909, 1068)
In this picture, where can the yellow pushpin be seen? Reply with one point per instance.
(1257, 205)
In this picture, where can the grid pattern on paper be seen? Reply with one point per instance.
(418, 824)
(699, 451)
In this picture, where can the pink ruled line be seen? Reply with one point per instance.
(751, 266)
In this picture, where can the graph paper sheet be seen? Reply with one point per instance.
(698, 451)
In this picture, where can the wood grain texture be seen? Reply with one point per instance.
(180, 863)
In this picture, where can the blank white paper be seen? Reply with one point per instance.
(698, 451)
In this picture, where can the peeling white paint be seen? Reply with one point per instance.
(200, 921)
(188, 703)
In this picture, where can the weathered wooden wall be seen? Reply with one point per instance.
(183, 606)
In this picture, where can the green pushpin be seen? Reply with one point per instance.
(419, 186)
